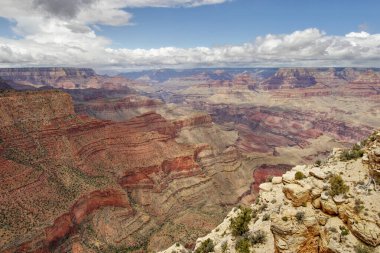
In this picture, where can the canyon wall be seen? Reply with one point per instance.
(70, 181)
(61, 77)
(327, 207)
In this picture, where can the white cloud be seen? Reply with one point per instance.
(65, 36)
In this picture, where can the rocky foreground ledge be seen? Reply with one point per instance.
(329, 207)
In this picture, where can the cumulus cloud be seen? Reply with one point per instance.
(59, 8)
(52, 35)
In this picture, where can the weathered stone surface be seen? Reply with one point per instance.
(339, 199)
(319, 226)
(276, 180)
(329, 207)
(325, 195)
(318, 173)
(316, 203)
(266, 187)
(368, 232)
(71, 172)
(297, 194)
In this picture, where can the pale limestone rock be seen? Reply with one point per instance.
(329, 207)
(288, 177)
(316, 193)
(366, 231)
(325, 195)
(318, 173)
(316, 203)
(281, 244)
(303, 168)
(296, 193)
(339, 199)
(319, 231)
(297, 237)
(276, 180)
(365, 158)
(267, 187)
(333, 241)
(175, 248)
(316, 183)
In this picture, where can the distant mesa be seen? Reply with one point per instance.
(4, 85)
(61, 77)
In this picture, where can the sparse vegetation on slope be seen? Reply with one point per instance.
(206, 247)
(337, 185)
(239, 224)
(354, 153)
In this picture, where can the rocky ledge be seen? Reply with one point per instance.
(331, 206)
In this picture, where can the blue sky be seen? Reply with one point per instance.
(240, 21)
(140, 34)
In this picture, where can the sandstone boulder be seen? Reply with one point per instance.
(276, 180)
(329, 207)
(267, 187)
(318, 173)
(316, 203)
(297, 194)
(366, 231)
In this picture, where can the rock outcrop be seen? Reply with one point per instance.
(330, 208)
(74, 182)
(62, 77)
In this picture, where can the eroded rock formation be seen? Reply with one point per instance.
(328, 208)
(70, 182)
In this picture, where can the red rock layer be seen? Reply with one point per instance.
(56, 168)
(261, 129)
(127, 102)
(67, 78)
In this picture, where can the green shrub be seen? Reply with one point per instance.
(361, 248)
(206, 247)
(300, 216)
(266, 217)
(344, 231)
(239, 224)
(224, 247)
(299, 175)
(318, 163)
(285, 218)
(337, 185)
(258, 237)
(353, 153)
(243, 245)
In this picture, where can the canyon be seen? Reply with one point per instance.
(327, 207)
(138, 161)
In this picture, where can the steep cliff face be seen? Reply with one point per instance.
(4, 85)
(286, 78)
(290, 78)
(47, 76)
(332, 207)
(72, 182)
(263, 129)
(59, 77)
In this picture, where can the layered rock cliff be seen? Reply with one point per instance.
(331, 206)
(61, 77)
(75, 183)
(4, 85)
